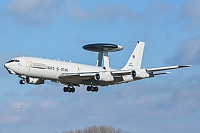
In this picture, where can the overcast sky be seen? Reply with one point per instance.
(59, 28)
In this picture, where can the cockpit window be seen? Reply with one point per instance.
(13, 60)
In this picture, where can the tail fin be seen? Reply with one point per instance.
(135, 60)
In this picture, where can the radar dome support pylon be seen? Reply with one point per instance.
(99, 59)
(103, 49)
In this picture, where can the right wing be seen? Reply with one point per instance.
(150, 71)
(167, 68)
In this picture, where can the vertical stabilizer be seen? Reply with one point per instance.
(135, 59)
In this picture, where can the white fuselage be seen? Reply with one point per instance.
(49, 69)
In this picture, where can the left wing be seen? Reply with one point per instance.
(75, 78)
(83, 75)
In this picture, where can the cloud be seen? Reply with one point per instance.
(10, 113)
(103, 13)
(10, 119)
(45, 11)
(48, 104)
(118, 11)
(188, 52)
(191, 11)
(35, 11)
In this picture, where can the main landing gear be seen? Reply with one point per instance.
(92, 88)
(69, 89)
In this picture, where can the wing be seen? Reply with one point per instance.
(167, 68)
(77, 78)
(117, 75)
(150, 71)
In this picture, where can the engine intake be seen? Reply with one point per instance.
(140, 74)
(35, 81)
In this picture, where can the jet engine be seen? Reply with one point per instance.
(103, 76)
(35, 81)
(140, 74)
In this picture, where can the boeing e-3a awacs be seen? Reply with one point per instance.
(37, 70)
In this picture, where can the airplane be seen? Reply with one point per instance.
(37, 70)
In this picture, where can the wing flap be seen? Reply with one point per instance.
(78, 74)
(75, 78)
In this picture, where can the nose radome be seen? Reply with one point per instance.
(6, 65)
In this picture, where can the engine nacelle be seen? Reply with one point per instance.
(35, 81)
(140, 74)
(104, 76)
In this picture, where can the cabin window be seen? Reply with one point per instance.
(13, 61)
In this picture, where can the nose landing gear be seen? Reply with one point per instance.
(22, 81)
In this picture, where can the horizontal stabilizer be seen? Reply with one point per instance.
(155, 74)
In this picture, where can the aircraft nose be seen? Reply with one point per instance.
(6, 65)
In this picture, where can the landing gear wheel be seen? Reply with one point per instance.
(65, 89)
(92, 88)
(72, 89)
(96, 89)
(22, 81)
(69, 89)
(89, 88)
